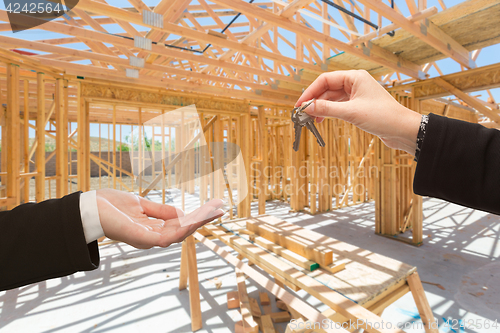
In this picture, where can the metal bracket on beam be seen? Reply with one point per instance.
(136, 62)
(366, 50)
(142, 43)
(472, 63)
(423, 27)
(134, 73)
(153, 19)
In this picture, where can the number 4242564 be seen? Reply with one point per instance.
(34, 8)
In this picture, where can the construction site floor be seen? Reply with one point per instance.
(137, 290)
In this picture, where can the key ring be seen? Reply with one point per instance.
(301, 109)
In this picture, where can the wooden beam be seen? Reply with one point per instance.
(183, 269)
(125, 62)
(424, 309)
(119, 13)
(349, 21)
(61, 139)
(425, 31)
(156, 49)
(139, 5)
(291, 8)
(40, 137)
(103, 73)
(301, 247)
(13, 138)
(270, 269)
(194, 285)
(393, 26)
(287, 254)
(172, 11)
(288, 11)
(476, 79)
(382, 57)
(468, 99)
(82, 142)
(26, 62)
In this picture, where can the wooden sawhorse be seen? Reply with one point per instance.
(355, 283)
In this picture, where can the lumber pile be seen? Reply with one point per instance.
(366, 285)
(252, 316)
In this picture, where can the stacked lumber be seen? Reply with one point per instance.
(252, 316)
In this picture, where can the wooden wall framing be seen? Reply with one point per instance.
(354, 167)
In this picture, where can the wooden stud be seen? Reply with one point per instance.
(262, 192)
(13, 123)
(4, 138)
(194, 291)
(25, 181)
(114, 147)
(40, 139)
(61, 139)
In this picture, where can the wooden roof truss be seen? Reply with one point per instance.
(187, 44)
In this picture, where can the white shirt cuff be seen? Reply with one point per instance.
(90, 216)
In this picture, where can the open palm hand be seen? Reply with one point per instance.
(144, 224)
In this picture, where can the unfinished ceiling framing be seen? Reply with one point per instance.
(257, 51)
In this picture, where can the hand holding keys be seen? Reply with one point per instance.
(301, 119)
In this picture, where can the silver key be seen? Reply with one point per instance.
(301, 119)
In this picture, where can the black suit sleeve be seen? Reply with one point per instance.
(460, 162)
(43, 241)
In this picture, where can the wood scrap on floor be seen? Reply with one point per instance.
(280, 317)
(267, 324)
(249, 324)
(238, 327)
(281, 305)
(217, 282)
(255, 308)
(233, 300)
(434, 284)
(264, 298)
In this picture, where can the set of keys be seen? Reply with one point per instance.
(301, 119)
